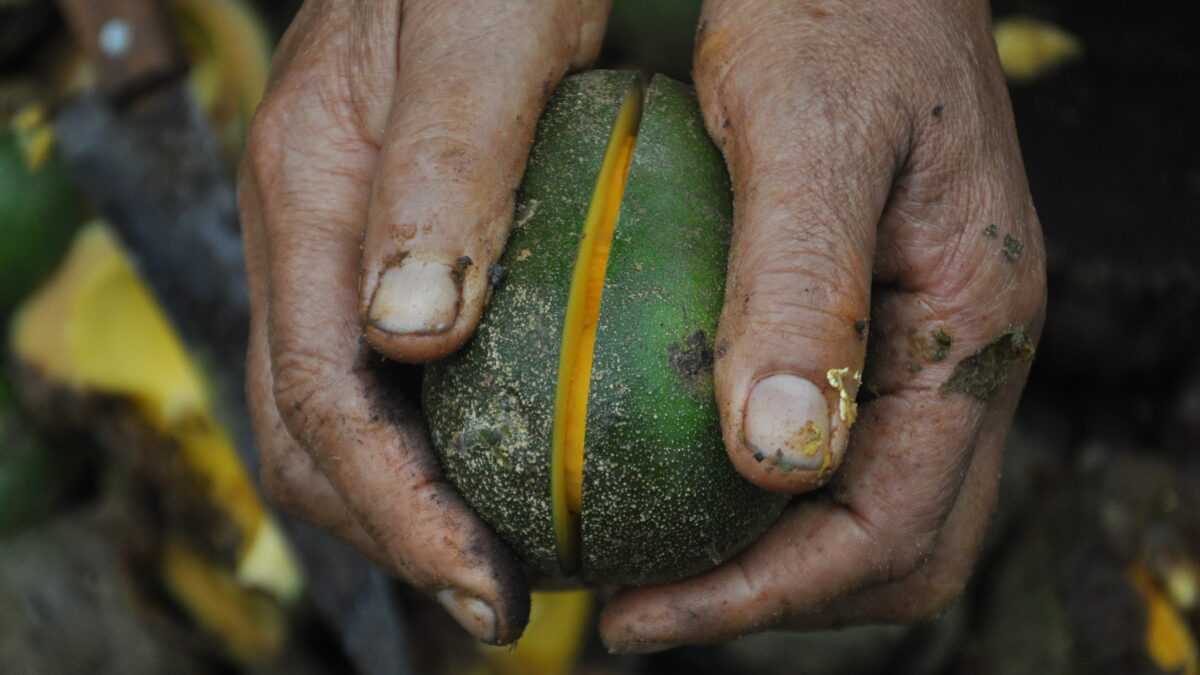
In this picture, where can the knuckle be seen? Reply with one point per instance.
(910, 558)
(591, 22)
(276, 485)
(905, 558)
(266, 137)
(297, 388)
(445, 152)
(779, 298)
(929, 596)
(902, 555)
(977, 280)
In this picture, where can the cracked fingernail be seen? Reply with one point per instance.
(473, 614)
(417, 296)
(787, 422)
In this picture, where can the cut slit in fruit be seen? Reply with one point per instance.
(579, 331)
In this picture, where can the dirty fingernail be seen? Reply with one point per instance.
(787, 423)
(416, 296)
(470, 612)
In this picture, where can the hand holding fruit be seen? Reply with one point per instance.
(881, 211)
(407, 131)
(871, 149)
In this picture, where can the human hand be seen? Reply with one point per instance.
(388, 149)
(881, 215)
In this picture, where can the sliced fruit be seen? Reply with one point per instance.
(580, 420)
(579, 331)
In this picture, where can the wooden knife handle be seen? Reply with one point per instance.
(131, 43)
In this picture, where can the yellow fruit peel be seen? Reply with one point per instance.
(249, 627)
(230, 54)
(94, 327)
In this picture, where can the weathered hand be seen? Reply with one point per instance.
(377, 188)
(881, 214)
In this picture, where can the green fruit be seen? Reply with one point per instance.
(39, 210)
(659, 498)
(35, 477)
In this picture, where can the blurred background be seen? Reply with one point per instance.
(132, 540)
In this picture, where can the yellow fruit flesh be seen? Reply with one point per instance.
(579, 331)
(1168, 640)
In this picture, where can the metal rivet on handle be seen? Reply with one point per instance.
(115, 37)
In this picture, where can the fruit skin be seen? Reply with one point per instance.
(672, 504)
(40, 209)
(491, 406)
(660, 499)
(35, 477)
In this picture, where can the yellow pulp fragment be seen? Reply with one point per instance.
(95, 327)
(35, 135)
(230, 52)
(579, 331)
(552, 641)
(248, 626)
(1169, 640)
(1030, 48)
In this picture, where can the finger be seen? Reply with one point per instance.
(812, 164)
(289, 477)
(359, 430)
(472, 83)
(921, 595)
(957, 313)
(793, 578)
(287, 473)
(938, 582)
(963, 303)
(882, 520)
(889, 504)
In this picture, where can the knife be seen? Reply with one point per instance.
(144, 153)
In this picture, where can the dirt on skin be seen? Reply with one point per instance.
(1012, 248)
(460, 269)
(931, 348)
(860, 327)
(983, 373)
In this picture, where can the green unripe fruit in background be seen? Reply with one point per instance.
(40, 209)
(659, 499)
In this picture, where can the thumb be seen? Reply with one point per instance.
(808, 193)
(472, 81)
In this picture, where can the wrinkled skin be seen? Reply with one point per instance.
(870, 145)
